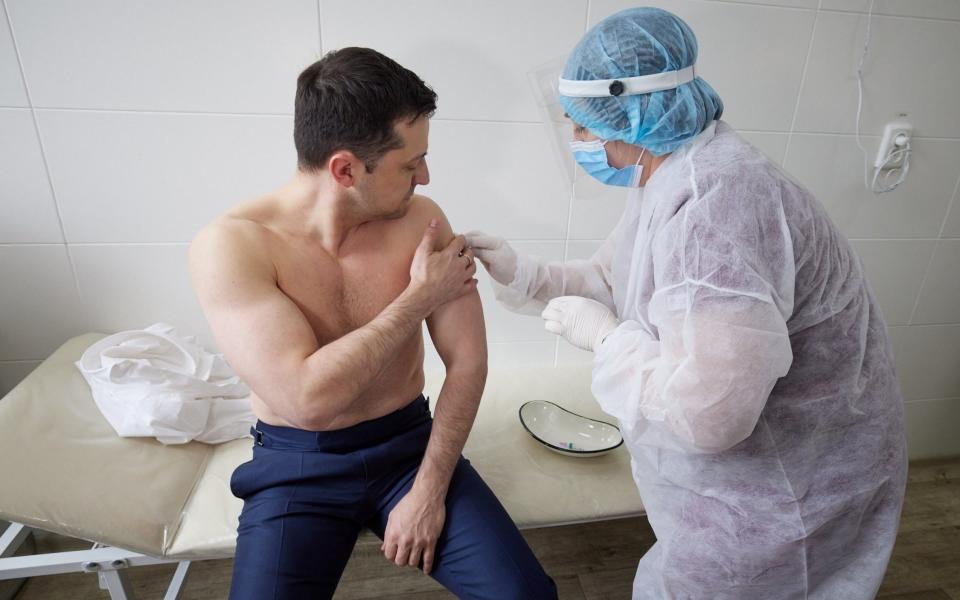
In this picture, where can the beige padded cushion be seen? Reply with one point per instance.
(64, 469)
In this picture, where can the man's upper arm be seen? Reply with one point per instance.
(262, 333)
(457, 327)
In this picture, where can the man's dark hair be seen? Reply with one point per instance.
(350, 100)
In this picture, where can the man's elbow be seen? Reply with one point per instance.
(471, 367)
(315, 406)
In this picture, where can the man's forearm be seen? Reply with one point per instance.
(339, 372)
(455, 412)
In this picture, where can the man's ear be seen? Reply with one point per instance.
(343, 166)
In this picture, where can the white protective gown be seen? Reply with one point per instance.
(752, 377)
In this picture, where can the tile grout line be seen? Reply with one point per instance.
(923, 284)
(557, 240)
(571, 195)
(43, 152)
(918, 400)
(803, 80)
(571, 198)
(950, 208)
(863, 239)
(886, 16)
(838, 11)
(919, 325)
(747, 4)
(144, 111)
(319, 31)
(863, 135)
(439, 119)
(93, 244)
(933, 255)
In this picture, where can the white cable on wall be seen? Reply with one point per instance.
(863, 57)
(901, 152)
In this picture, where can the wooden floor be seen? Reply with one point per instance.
(589, 562)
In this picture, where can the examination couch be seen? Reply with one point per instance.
(63, 469)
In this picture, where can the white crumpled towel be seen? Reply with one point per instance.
(155, 383)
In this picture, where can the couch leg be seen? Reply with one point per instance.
(117, 582)
(14, 537)
(176, 584)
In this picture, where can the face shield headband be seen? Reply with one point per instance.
(627, 86)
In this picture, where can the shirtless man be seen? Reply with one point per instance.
(316, 294)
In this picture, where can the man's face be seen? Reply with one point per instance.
(388, 189)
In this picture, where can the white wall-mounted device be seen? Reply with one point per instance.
(892, 151)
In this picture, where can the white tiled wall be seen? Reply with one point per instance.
(126, 126)
(939, 301)
(12, 92)
(896, 270)
(23, 179)
(951, 228)
(907, 71)
(156, 177)
(493, 176)
(39, 299)
(753, 55)
(122, 283)
(476, 55)
(237, 56)
(832, 167)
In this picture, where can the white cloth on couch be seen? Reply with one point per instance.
(157, 383)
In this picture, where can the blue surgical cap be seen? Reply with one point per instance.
(630, 43)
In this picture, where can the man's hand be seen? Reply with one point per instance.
(583, 322)
(437, 277)
(413, 527)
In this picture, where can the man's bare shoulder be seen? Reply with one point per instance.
(245, 225)
(236, 241)
(422, 211)
(227, 234)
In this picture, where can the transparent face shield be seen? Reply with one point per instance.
(544, 82)
(547, 86)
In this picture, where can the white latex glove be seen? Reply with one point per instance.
(581, 321)
(496, 255)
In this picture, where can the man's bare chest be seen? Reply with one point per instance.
(340, 295)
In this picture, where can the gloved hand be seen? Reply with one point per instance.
(582, 321)
(496, 255)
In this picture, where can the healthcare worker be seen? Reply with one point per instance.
(735, 337)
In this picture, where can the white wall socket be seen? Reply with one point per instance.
(888, 144)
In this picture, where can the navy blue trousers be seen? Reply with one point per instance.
(307, 495)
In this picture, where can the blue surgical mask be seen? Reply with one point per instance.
(592, 156)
